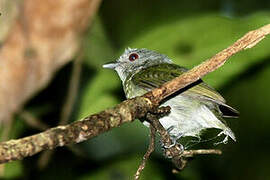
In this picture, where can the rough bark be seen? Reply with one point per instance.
(76, 132)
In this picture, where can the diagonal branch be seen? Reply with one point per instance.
(127, 111)
(247, 41)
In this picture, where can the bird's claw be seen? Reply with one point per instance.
(174, 139)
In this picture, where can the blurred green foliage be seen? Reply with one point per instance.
(188, 32)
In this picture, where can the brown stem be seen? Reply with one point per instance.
(174, 151)
(32, 121)
(72, 89)
(149, 151)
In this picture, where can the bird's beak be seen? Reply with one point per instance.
(111, 65)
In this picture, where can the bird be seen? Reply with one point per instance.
(193, 109)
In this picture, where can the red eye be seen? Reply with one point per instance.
(133, 56)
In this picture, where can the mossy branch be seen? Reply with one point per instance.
(127, 111)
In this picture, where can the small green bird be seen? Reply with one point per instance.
(193, 109)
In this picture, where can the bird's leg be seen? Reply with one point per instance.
(174, 138)
(161, 112)
(224, 141)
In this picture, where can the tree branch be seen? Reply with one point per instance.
(126, 111)
(247, 41)
(75, 132)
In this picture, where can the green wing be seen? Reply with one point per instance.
(155, 76)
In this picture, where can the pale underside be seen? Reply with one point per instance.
(192, 111)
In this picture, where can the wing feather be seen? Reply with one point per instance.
(155, 76)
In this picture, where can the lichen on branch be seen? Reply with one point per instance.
(75, 132)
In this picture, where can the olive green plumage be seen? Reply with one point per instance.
(155, 76)
(193, 109)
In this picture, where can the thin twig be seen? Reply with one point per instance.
(68, 104)
(6, 131)
(44, 159)
(126, 111)
(191, 153)
(32, 121)
(149, 151)
(72, 89)
(176, 152)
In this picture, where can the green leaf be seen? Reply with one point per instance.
(190, 41)
(98, 93)
(97, 47)
(13, 169)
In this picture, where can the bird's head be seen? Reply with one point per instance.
(133, 60)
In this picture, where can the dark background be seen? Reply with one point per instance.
(189, 32)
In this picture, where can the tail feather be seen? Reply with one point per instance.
(227, 111)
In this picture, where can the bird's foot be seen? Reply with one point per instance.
(174, 138)
(224, 141)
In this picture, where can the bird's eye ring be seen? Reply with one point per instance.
(133, 56)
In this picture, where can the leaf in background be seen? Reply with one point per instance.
(249, 93)
(97, 47)
(192, 40)
(125, 20)
(97, 94)
(13, 170)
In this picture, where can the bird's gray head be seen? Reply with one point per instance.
(133, 60)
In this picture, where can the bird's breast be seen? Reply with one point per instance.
(131, 90)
